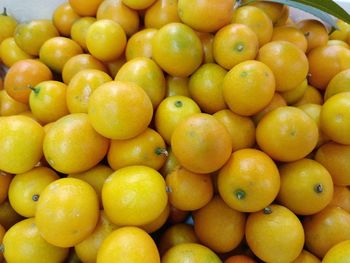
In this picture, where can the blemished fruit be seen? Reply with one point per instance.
(173, 131)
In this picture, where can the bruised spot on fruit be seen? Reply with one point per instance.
(240, 194)
(318, 188)
(307, 34)
(239, 47)
(178, 104)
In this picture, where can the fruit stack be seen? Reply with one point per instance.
(189, 131)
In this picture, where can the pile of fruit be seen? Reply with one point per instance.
(145, 131)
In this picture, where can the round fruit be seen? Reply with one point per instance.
(21, 143)
(210, 15)
(257, 20)
(201, 143)
(334, 157)
(120, 110)
(31, 36)
(205, 87)
(25, 189)
(147, 74)
(338, 253)
(47, 101)
(171, 111)
(130, 244)
(334, 118)
(190, 253)
(32, 72)
(147, 148)
(134, 195)
(176, 234)
(62, 222)
(71, 145)
(177, 49)
(301, 180)
(240, 128)
(233, 44)
(235, 180)
(218, 226)
(288, 63)
(275, 234)
(23, 243)
(248, 87)
(287, 134)
(81, 86)
(325, 229)
(188, 191)
(106, 40)
(56, 51)
(87, 249)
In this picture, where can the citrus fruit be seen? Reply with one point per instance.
(275, 234)
(201, 143)
(60, 221)
(120, 110)
(128, 244)
(235, 177)
(134, 195)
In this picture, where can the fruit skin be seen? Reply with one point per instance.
(288, 63)
(23, 243)
(305, 179)
(128, 244)
(8, 25)
(120, 110)
(190, 253)
(21, 143)
(62, 222)
(72, 145)
(338, 253)
(127, 196)
(25, 189)
(275, 234)
(177, 49)
(201, 143)
(32, 35)
(206, 16)
(236, 176)
(287, 134)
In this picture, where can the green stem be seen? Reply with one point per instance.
(4, 13)
(240, 194)
(161, 151)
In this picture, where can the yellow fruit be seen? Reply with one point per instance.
(134, 195)
(128, 244)
(147, 148)
(275, 234)
(120, 110)
(21, 143)
(88, 248)
(95, 177)
(25, 189)
(338, 253)
(24, 243)
(190, 253)
(61, 221)
(71, 145)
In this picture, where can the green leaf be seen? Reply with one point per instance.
(323, 9)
